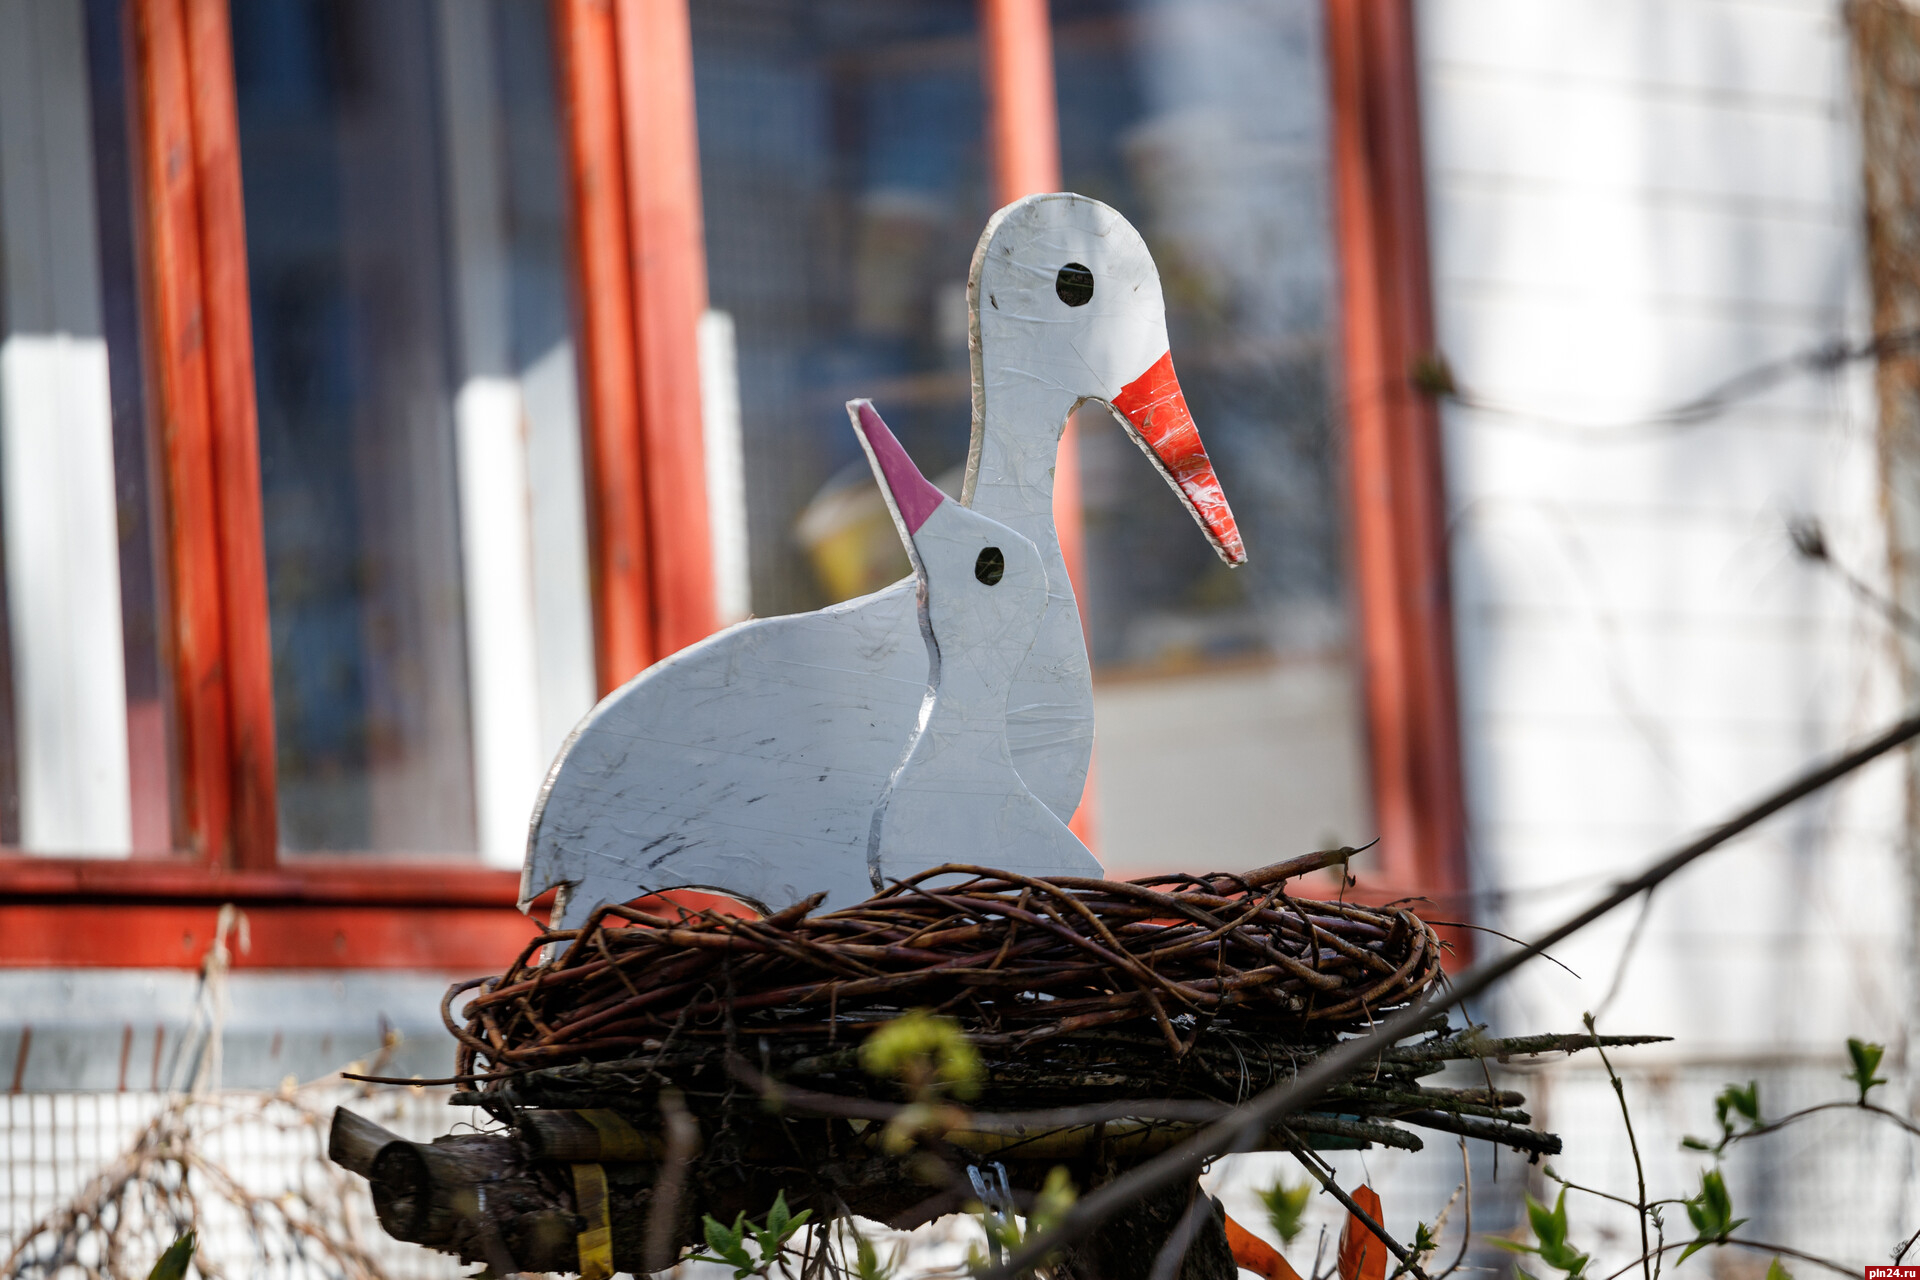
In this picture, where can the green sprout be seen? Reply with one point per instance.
(1286, 1208)
(1550, 1229)
(1866, 1060)
(728, 1245)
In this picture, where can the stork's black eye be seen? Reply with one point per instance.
(990, 566)
(1074, 284)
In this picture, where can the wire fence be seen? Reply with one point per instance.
(86, 1190)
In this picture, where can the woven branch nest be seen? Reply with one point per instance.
(1017, 961)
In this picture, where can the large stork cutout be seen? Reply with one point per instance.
(753, 762)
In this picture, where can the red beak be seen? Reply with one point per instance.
(1155, 407)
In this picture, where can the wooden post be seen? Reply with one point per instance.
(200, 367)
(627, 71)
(669, 270)
(1394, 450)
(609, 377)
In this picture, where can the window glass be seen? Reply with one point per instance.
(1205, 122)
(843, 179)
(82, 734)
(418, 430)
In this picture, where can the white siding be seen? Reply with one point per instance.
(1631, 201)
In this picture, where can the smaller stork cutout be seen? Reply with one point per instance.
(982, 588)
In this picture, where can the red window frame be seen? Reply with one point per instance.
(1395, 474)
(633, 168)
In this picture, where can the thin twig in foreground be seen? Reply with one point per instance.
(1269, 1107)
(1173, 1252)
(1633, 1144)
(1466, 1204)
(1757, 1246)
(1870, 1108)
(1324, 1176)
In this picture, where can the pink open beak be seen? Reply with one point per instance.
(1157, 410)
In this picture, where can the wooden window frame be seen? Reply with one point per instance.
(639, 265)
(627, 84)
(1395, 465)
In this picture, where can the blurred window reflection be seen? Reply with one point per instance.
(418, 427)
(1205, 121)
(83, 767)
(843, 180)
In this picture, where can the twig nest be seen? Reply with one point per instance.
(1018, 962)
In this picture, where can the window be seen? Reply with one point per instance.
(419, 434)
(380, 331)
(843, 171)
(1206, 122)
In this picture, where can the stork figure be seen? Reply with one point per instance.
(982, 591)
(752, 762)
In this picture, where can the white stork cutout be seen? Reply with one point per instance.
(752, 763)
(982, 593)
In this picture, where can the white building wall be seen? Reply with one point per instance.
(1632, 201)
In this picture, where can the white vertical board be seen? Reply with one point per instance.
(562, 593)
(726, 467)
(56, 447)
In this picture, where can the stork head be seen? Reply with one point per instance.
(982, 585)
(1067, 308)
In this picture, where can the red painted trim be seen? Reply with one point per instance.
(336, 914)
(609, 361)
(1394, 449)
(1023, 121)
(369, 881)
(669, 272)
(174, 315)
(169, 935)
(248, 663)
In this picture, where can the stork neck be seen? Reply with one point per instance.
(1015, 451)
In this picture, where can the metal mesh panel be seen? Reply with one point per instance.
(61, 1150)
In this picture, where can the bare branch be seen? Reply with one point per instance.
(1270, 1107)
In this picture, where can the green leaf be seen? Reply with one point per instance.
(1777, 1272)
(1736, 1101)
(778, 1216)
(927, 1052)
(1565, 1257)
(1422, 1244)
(727, 1242)
(1711, 1213)
(173, 1263)
(1550, 1225)
(1511, 1246)
(1713, 1189)
(1696, 1144)
(1287, 1208)
(1866, 1060)
(1057, 1195)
